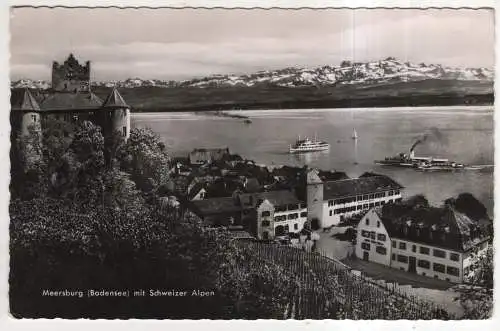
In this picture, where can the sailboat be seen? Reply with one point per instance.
(354, 134)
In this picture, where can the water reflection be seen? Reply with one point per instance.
(310, 157)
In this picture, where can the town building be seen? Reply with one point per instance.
(70, 99)
(329, 202)
(434, 242)
(200, 156)
(265, 215)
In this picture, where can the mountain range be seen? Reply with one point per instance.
(387, 71)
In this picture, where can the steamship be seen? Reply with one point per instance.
(421, 163)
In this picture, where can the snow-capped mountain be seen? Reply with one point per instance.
(389, 70)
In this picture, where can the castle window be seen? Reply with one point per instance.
(402, 245)
(438, 267)
(33, 118)
(367, 221)
(452, 271)
(414, 248)
(266, 213)
(403, 258)
(380, 237)
(454, 257)
(303, 214)
(394, 243)
(295, 226)
(381, 250)
(424, 250)
(330, 212)
(266, 223)
(439, 253)
(424, 264)
(365, 246)
(378, 224)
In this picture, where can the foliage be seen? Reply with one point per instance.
(469, 205)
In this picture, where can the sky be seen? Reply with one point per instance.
(177, 44)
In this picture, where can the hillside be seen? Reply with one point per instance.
(419, 93)
(382, 83)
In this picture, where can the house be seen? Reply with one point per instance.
(197, 192)
(200, 156)
(434, 242)
(329, 202)
(263, 214)
(70, 99)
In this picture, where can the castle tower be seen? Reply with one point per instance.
(25, 112)
(119, 113)
(314, 197)
(71, 76)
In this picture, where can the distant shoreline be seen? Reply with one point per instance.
(236, 113)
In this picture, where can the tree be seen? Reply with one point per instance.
(144, 156)
(418, 200)
(466, 203)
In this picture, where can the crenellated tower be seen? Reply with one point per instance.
(71, 76)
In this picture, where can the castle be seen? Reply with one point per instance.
(70, 99)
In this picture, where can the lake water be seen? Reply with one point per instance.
(462, 134)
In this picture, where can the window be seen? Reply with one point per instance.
(303, 214)
(266, 213)
(393, 257)
(372, 196)
(265, 223)
(413, 248)
(424, 264)
(331, 212)
(438, 267)
(372, 205)
(424, 250)
(365, 234)
(381, 250)
(373, 235)
(394, 243)
(33, 118)
(365, 246)
(367, 221)
(381, 237)
(439, 253)
(293, 216)
(402, 245)
(359, 207)
(365, 197)
(365, 206)
(452, 271)
(378, 224)
(295, 226)
(454, 257)
(124, 131)
(330, 203)
(403, 258)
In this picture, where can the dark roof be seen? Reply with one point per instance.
(442, 227)
(23, 100)
(214, 206)
(240, 201)
(332, 175)
(358, 186)
(71, 101)
(115, 100)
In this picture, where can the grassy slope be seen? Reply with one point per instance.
(429, 92)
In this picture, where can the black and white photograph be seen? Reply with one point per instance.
(243, 164)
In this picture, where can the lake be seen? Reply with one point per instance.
(462, 134)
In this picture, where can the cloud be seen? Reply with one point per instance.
(177, 44)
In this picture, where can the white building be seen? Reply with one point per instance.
(265, 214)
(330, 202)
(433, 242)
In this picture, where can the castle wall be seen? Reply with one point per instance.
(121, 121)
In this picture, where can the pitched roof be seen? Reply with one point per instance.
(442, 227)
(71, 101)
(115, 100)
(23, 100)
(214, 206)
(358, 186)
